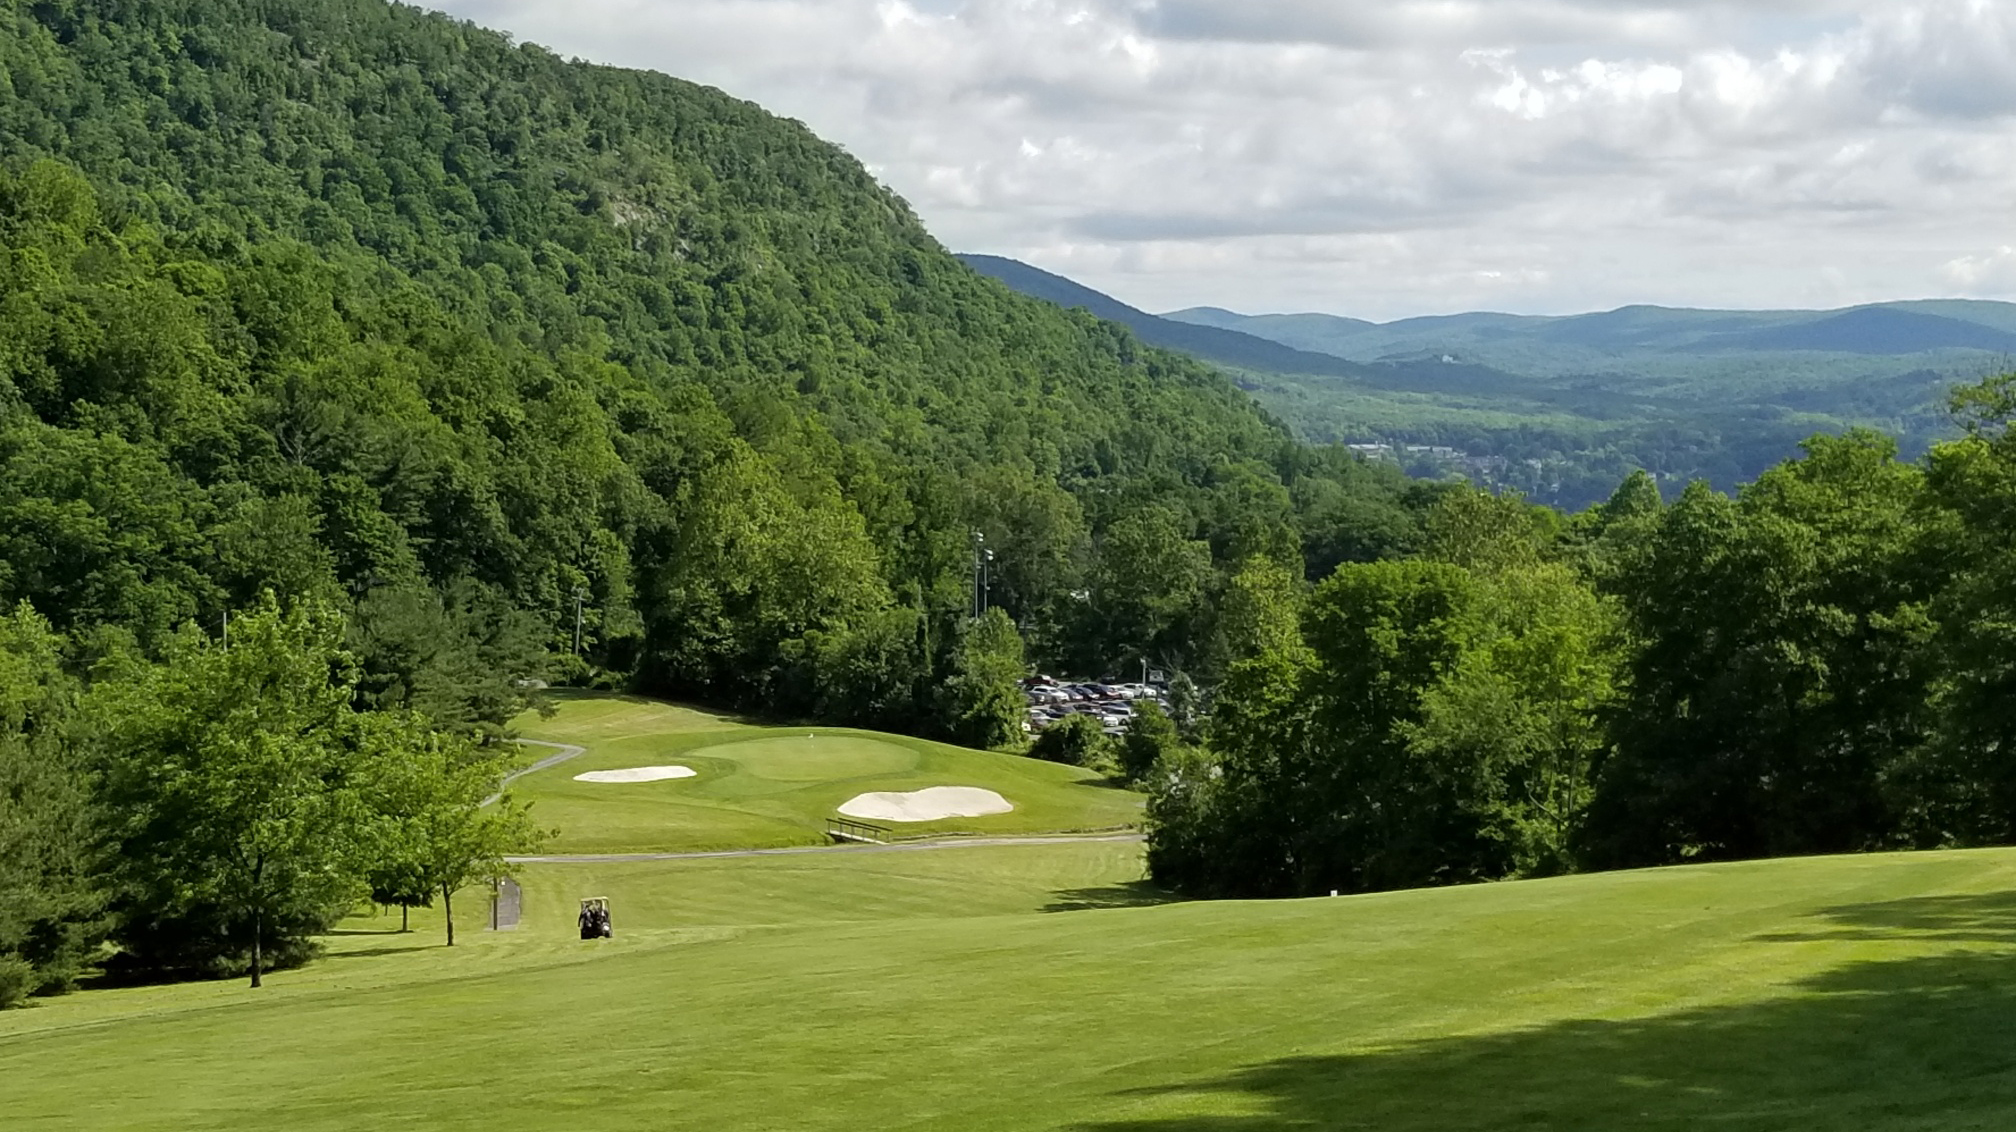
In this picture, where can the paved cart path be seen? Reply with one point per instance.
(565, 752)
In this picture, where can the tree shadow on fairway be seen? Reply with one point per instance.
(380, 952)
(1130, 894)
(1874, 1047)
(1112, 782)
(1975, 918)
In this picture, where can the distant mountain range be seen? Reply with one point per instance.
(1249, 352)
(1559, 405)
(1224, 345)
(1890, 329)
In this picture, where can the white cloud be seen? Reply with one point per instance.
(1993, 271)
(1392, 157)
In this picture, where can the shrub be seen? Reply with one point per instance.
(1077, 740)
(1149, 737)
(18, 980)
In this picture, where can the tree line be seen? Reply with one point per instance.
(1820, 663)
(210, 812)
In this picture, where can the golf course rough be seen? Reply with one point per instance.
(767, 787)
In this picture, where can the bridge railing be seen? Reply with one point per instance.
(847, 829)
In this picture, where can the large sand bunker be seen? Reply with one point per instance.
(928, 804)
(637, 774)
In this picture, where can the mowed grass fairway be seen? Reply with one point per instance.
(759, 786)
(1015, 987)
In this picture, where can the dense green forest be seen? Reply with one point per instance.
(349, 354)
(362, 302)
(442, 342)
(1823, 663)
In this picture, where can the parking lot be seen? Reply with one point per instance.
(1111, 703)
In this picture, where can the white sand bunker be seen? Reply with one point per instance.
(637, 774)
(928, 804)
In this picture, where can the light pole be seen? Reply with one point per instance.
(980, 556)
(580, 596)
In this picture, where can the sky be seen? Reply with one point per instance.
(1388, 158)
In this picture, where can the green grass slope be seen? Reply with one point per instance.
(760, 786)
(929, 990)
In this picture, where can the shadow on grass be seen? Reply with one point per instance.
(1112, 782)
(379, 952)
(1977, 918)
(116, 974)
(1880, 1046)
(1131, 894)
(1923, 1043)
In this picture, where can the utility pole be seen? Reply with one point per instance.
(227, 629)
(580, 596)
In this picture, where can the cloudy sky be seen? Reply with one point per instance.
(1385, 158)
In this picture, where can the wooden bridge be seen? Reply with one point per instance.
(846, 829)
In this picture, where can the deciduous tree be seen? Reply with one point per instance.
(431, 832)
(231, 787)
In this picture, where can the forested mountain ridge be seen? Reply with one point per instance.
(1893, 328)
(349, 299)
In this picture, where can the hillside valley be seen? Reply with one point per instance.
(1684, 393)
(1562, 407)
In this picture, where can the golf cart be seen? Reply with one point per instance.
(595, 917)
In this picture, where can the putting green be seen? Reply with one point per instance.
(812, 758)
(929, 990)
(758, 786)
